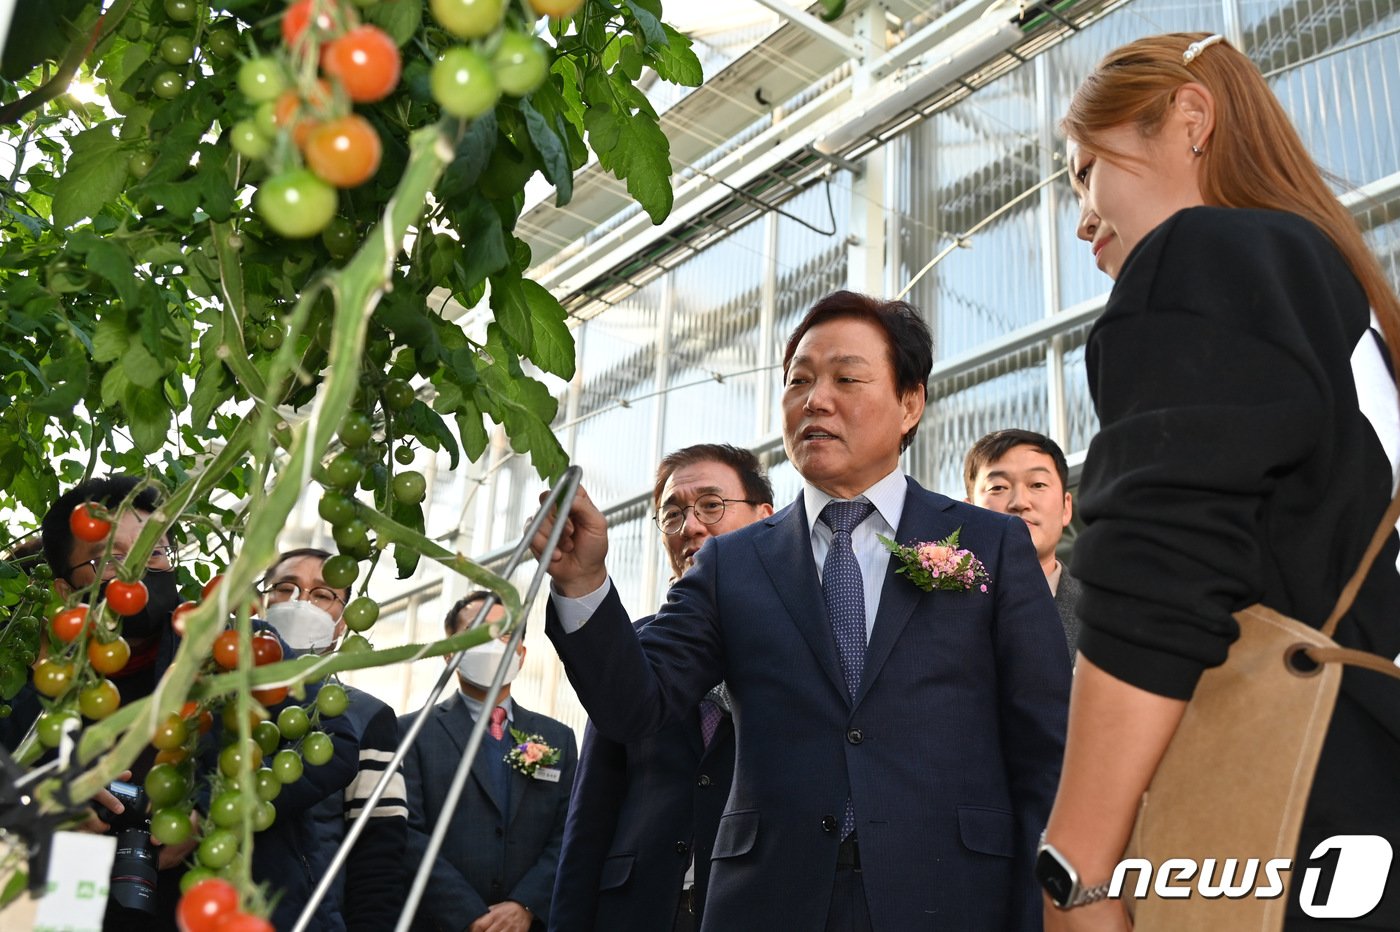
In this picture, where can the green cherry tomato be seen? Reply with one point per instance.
(318, 749)
(261, 79)
(521, 63)
(166, 785)
(193, 876)
(410, 488)
(99, 700)
(332, 700)
(265, 118)
(293, 722)
(286, 766)
(249, 141)
(272, 337)
(181, 11)
(468, 19)
(176, 50)
(343, 471)
(404, 455)
(221, 43)
(339, 238)
(398, 395)
(351, 535)
(266, 784)
(296, 204)
(268, 736)
(51, 726)
(463, 83)
(218, 849)
(171, 733)
(336, 507)
(355, 644)
(226, 809)
(140, 164)
(231, 760)
(168, 85)
(171, 826)
(340, 571)
(356, 429)
(264, 815)
(360, 614)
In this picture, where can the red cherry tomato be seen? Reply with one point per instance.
(343, 152)
(266, 648)
(226, 650)
(126, 598)
(302, 115)
(270, 696)
(298, 17)
(86, 526)
(69, 623)
(177, 617)
(365, 61)
(206, 718)
(205, 904)
(243, 922)
(211, 585)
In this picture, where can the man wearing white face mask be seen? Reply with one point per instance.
(369, 892)
(495, 872)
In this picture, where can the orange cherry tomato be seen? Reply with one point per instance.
(343, 152)
(365, 61)
(111, 657)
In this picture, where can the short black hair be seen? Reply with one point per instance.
(107, 491)
(757, 488)
(450, 622)
(907, 338)
(297, 554)
(1001, 442)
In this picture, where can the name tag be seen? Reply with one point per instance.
(548, 774)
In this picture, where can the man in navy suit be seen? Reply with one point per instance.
(644, 814)
(495, 871)
(898, 787)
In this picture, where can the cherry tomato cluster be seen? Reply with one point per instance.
(467, 80)
(20, 637)
(338, 148)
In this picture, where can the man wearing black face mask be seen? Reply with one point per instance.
(79, 567)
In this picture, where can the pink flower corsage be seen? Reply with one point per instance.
(940, 565)
(530, 753)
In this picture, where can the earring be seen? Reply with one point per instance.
(1197, 151)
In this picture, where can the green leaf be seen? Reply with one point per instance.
(473, 432)
(630, 145)
(511, 308)
(96, 174)
(473, 154)
(109, 339)
(484, 249)
(141, 367)
(676, 61)
(650, 25)
(179, 197)
(429, 427)
(550, 141)
(554, 343)
(110, 260)
(399, 18)
(149, 418)
(114, 386)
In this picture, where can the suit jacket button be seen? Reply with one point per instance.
(500, 832)
(682, 848)
(704, 780)
(828, 824)
(855, 736)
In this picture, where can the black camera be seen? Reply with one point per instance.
(133, 884)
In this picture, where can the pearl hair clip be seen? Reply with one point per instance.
(1196, 48)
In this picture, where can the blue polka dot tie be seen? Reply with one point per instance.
(844, 592)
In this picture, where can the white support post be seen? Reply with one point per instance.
(866, 256)
(767, 321)
(664, 323)
(1056, 409)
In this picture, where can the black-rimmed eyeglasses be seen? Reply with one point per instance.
(321, 597)
(709, 509)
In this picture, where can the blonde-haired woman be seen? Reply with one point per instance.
(1243, 376)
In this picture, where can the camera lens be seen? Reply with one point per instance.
(134, 871)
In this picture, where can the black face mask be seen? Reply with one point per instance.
(162, 598)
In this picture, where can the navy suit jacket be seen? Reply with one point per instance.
(638, 813)
(489, 854)
(950, 751)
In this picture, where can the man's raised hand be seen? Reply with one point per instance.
(576, 565)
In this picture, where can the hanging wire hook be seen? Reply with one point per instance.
(563, 493)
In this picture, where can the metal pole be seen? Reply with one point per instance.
(563, 493)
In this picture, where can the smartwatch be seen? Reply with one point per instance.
(1058, 878)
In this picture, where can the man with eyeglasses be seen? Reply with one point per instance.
(87, 568)
(314, 813)
(644, 814)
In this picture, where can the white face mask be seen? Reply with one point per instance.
(479, 664)
(302, 625)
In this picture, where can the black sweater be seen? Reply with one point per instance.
(1234, 465)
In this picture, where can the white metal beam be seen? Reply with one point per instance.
(811, 24)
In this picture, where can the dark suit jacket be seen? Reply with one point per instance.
(638, 812)
(489, 855)
(950, 751)
(1066, 603)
